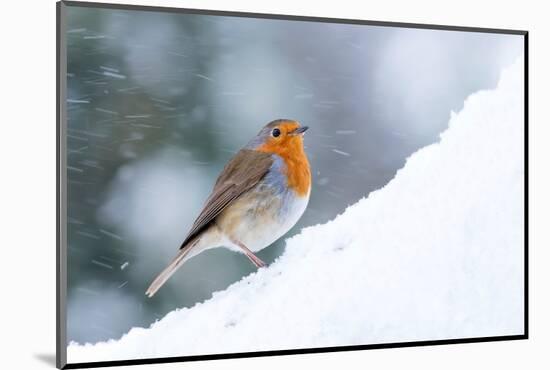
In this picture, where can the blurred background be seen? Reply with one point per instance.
(158, 102)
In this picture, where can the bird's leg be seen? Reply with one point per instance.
(251, 256)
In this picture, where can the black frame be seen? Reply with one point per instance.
(61, 258)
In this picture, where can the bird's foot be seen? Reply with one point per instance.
(255, 260)
(251, 256)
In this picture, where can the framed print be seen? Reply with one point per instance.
(235, 184)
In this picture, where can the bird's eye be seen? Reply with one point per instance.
(276, 132)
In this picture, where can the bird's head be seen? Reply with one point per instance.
(282, 136)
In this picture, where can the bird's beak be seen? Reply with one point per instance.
(298, 131)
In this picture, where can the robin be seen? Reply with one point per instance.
(260, 194)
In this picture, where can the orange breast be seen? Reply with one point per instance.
(297, 166)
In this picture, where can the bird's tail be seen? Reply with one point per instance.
(181, 257)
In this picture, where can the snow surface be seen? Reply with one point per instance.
(437, 253)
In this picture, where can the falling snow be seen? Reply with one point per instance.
(408, 263)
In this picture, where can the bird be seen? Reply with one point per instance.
(260, 194)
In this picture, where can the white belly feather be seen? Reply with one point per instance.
(258, 227)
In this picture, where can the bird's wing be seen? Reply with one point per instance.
(242, 173)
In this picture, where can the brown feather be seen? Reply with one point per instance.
(242, 173)
(169, 270)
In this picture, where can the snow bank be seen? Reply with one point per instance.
(437, 253)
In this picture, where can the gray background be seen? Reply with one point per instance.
(158, 102)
